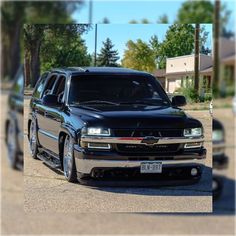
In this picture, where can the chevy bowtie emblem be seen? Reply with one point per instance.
(150, 140)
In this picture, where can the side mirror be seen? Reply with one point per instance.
(51, 100)
(178, 101)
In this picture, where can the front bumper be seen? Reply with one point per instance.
(86, 166)
(87, 162)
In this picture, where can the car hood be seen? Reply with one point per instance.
(135, 117)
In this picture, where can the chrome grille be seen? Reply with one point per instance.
(147, 149)
(148, 132)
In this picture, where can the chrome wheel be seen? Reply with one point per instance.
(68, 157)
(11, 143)
(33, 140)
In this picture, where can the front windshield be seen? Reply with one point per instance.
(117, 89)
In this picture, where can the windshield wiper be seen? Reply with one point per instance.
(140, 102)
(98, 102)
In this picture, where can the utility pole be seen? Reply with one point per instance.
(196, 58)
(95, 51)
(90, 12)
(216, 30)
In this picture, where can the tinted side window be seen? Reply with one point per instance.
(60, 85)
(50, 82)
(40, 85)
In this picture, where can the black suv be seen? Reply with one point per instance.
(109, 123)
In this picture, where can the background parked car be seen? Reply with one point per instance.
(14, 122)
(220, 160)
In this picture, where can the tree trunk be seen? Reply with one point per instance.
(196, 58)
(27, 68)
(35, 63)
(216, 28)
(15, 50)
(4, 57)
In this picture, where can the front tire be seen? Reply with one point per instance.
(69, 168)
(12, 145)
(33, 139)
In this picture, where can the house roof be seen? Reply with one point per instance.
(184, 73)
(229, 59)
(207, 70)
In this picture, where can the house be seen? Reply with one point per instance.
(227, 65)
(180, 72)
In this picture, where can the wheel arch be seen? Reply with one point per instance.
(64, 131)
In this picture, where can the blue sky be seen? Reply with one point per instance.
(121, 33)
(125, 10)
(121, 12)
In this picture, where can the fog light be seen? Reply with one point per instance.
(99, 146)
(193, 145)
(194, 171)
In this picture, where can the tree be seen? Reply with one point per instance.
(203, 12)
(205, 50)
(15, 14)
(33, 37)
(12, 18)
(65, 47)
(107, 56)
(139, 56)
(59, 41)
(196, 12)
(155, 46)
(105, 20)
(163, 19)
(179, 41)
(143, 21)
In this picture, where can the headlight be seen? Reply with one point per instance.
(217, 135)
(194, 132)
(96, 131)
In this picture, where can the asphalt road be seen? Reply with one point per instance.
(16, 221)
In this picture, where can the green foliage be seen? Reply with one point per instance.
(201, 12)
(143, 21)
(190, 94)
(196, 12)
(163, 19)
(17, 13)
(65, 50)
(53, 45)
(107, 56)
(139, 55)
(179, 41)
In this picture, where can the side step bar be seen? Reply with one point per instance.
(49, 160)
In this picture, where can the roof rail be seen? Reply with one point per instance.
(80, 68)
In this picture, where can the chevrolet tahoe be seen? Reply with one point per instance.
(114, 124)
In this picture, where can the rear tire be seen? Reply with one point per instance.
(33, 139)
(12, 152)
(69, 167)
